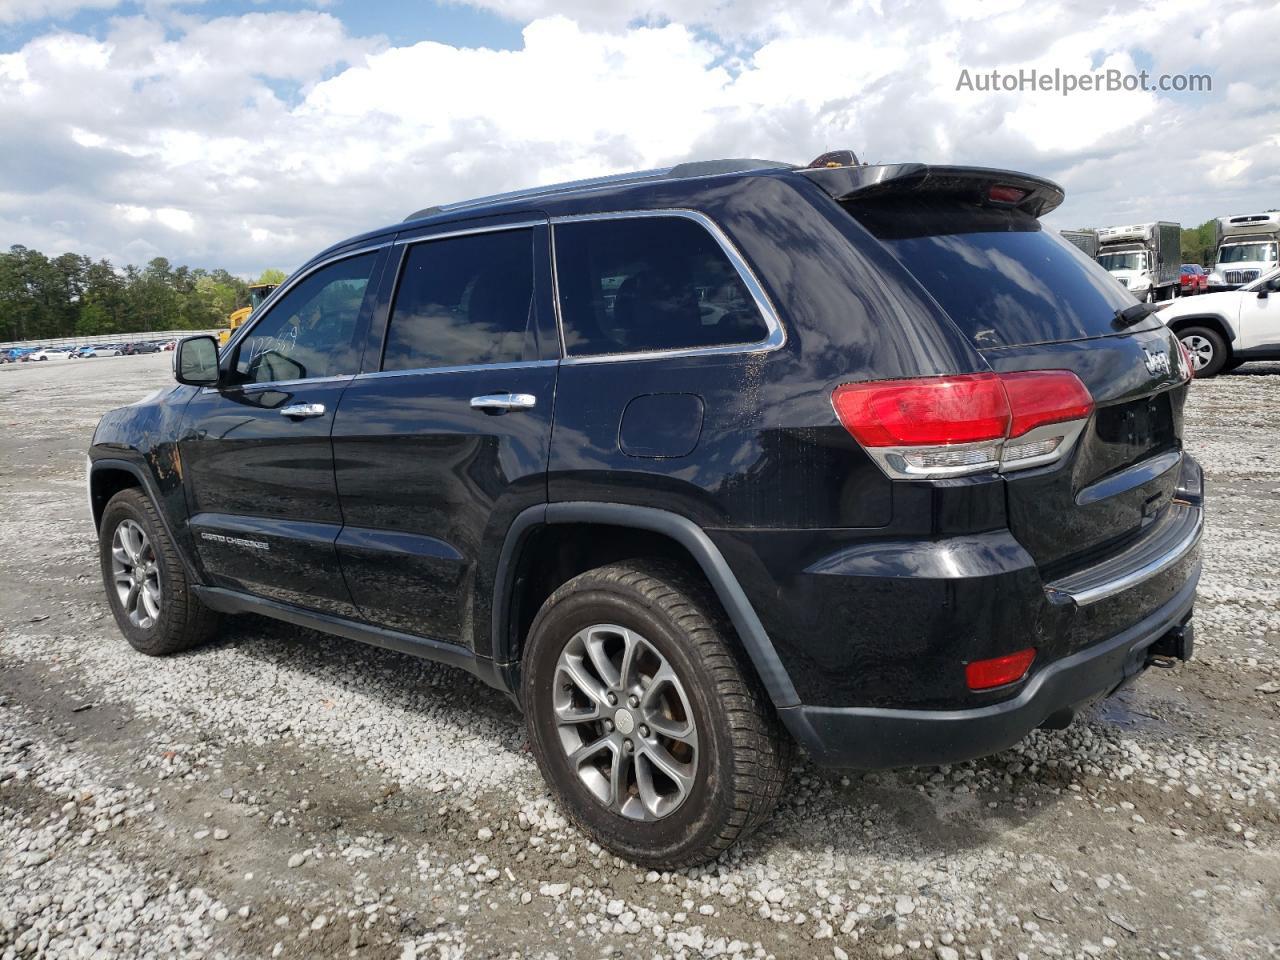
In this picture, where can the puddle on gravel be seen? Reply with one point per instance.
(1121, 711)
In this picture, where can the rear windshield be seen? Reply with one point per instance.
(1004, 279)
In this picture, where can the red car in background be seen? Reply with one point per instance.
(1195, 279)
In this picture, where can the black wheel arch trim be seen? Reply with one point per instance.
(148, 485)
(1178, 323)
(768, 666)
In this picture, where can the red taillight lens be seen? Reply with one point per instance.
(999, 671)
(924, 412)
(1187, 363)
(1039, 397)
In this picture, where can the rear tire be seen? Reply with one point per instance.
(730, 754)
(1208, 350)
(145, 579)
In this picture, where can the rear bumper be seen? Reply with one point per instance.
(869, 738)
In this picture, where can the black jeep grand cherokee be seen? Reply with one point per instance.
(693, 464)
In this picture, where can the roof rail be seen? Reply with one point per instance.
(681, 171)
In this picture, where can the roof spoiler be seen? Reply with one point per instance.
(1000, 188)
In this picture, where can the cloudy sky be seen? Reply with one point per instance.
(250, 134)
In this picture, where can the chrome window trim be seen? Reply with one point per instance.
(270, 303)
(774, 340)
(266, 385)
(463, 368)
(488, 228)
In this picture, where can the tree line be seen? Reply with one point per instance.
(43, 298)
(1199, 244)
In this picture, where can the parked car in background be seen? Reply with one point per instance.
(51, 353)
(169, 345)
(85, 352)
(1225, 329)
(133, 349)
(693, 465)
(1194, 279)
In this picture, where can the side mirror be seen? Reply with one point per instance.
(1263, 293)
(195, 361)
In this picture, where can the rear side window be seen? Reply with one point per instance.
(1003, 279)
(649, 283)
(464, 301)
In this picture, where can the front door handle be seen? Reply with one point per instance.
(502, 402)
(301, 411)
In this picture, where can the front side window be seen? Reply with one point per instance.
(649, 283)
(312, 330)
(464, 301)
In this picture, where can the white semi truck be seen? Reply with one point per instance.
(1145, 257)
(1247, 248)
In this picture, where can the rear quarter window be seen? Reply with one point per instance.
(1003, 278)
(647, 283)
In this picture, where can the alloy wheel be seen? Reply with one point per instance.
(625, 722)
(1201, 350)
(136, 574)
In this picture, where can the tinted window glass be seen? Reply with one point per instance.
(311, 331)
(1003, 279)
(463, 301)
(649, 283)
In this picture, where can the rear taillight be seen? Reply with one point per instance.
(999, 671)
(936, 427)
(1188, 366)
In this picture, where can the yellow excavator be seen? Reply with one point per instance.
(257, 293)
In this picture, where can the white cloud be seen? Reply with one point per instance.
(16, 11)
(253, 141)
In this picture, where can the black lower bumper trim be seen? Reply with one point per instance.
(871, 738)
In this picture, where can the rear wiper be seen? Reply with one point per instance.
(1131, 315)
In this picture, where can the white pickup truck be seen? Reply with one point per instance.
(1223, 330)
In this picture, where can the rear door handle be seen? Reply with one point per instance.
(502, 402)
(301, 411)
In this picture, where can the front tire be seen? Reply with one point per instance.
(145, 580)
(1208, 350)
(645, 719)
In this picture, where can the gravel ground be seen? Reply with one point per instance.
(282, 793)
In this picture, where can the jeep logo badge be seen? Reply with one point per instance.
(1157, 362)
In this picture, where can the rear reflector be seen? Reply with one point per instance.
(935, 427)
(999, 671)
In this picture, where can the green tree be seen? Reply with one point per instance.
(94, 321)
(272, 275)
